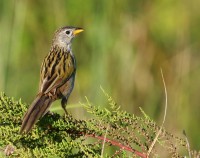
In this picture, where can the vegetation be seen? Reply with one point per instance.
(122, 48)
(111, 133)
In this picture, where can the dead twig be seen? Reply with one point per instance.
(165, 113)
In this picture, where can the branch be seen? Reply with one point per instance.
(121, 146)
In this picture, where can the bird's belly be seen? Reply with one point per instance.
(67, 88)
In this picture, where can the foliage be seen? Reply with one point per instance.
(63, 136)
(124, 44)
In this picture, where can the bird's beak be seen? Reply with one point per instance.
(77, 31)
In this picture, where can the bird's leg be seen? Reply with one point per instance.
(63, 104)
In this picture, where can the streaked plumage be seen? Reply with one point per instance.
(56, 77)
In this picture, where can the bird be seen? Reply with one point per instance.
(57, 76)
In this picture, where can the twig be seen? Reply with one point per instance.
(187, 143)
(104, 141)
(142, 155)
(165, 113)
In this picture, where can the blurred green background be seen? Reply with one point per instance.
(123, 47)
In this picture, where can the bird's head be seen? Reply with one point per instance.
(63, 36)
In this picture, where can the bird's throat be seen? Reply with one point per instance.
(63, 46)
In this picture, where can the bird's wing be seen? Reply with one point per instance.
(57, 68)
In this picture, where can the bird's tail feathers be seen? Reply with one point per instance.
(38, 108)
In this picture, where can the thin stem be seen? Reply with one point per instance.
(123, 147)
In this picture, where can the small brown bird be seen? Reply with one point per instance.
(57, 77)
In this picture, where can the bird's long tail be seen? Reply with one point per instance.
(38, 108)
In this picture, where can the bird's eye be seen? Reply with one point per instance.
(67, 32)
